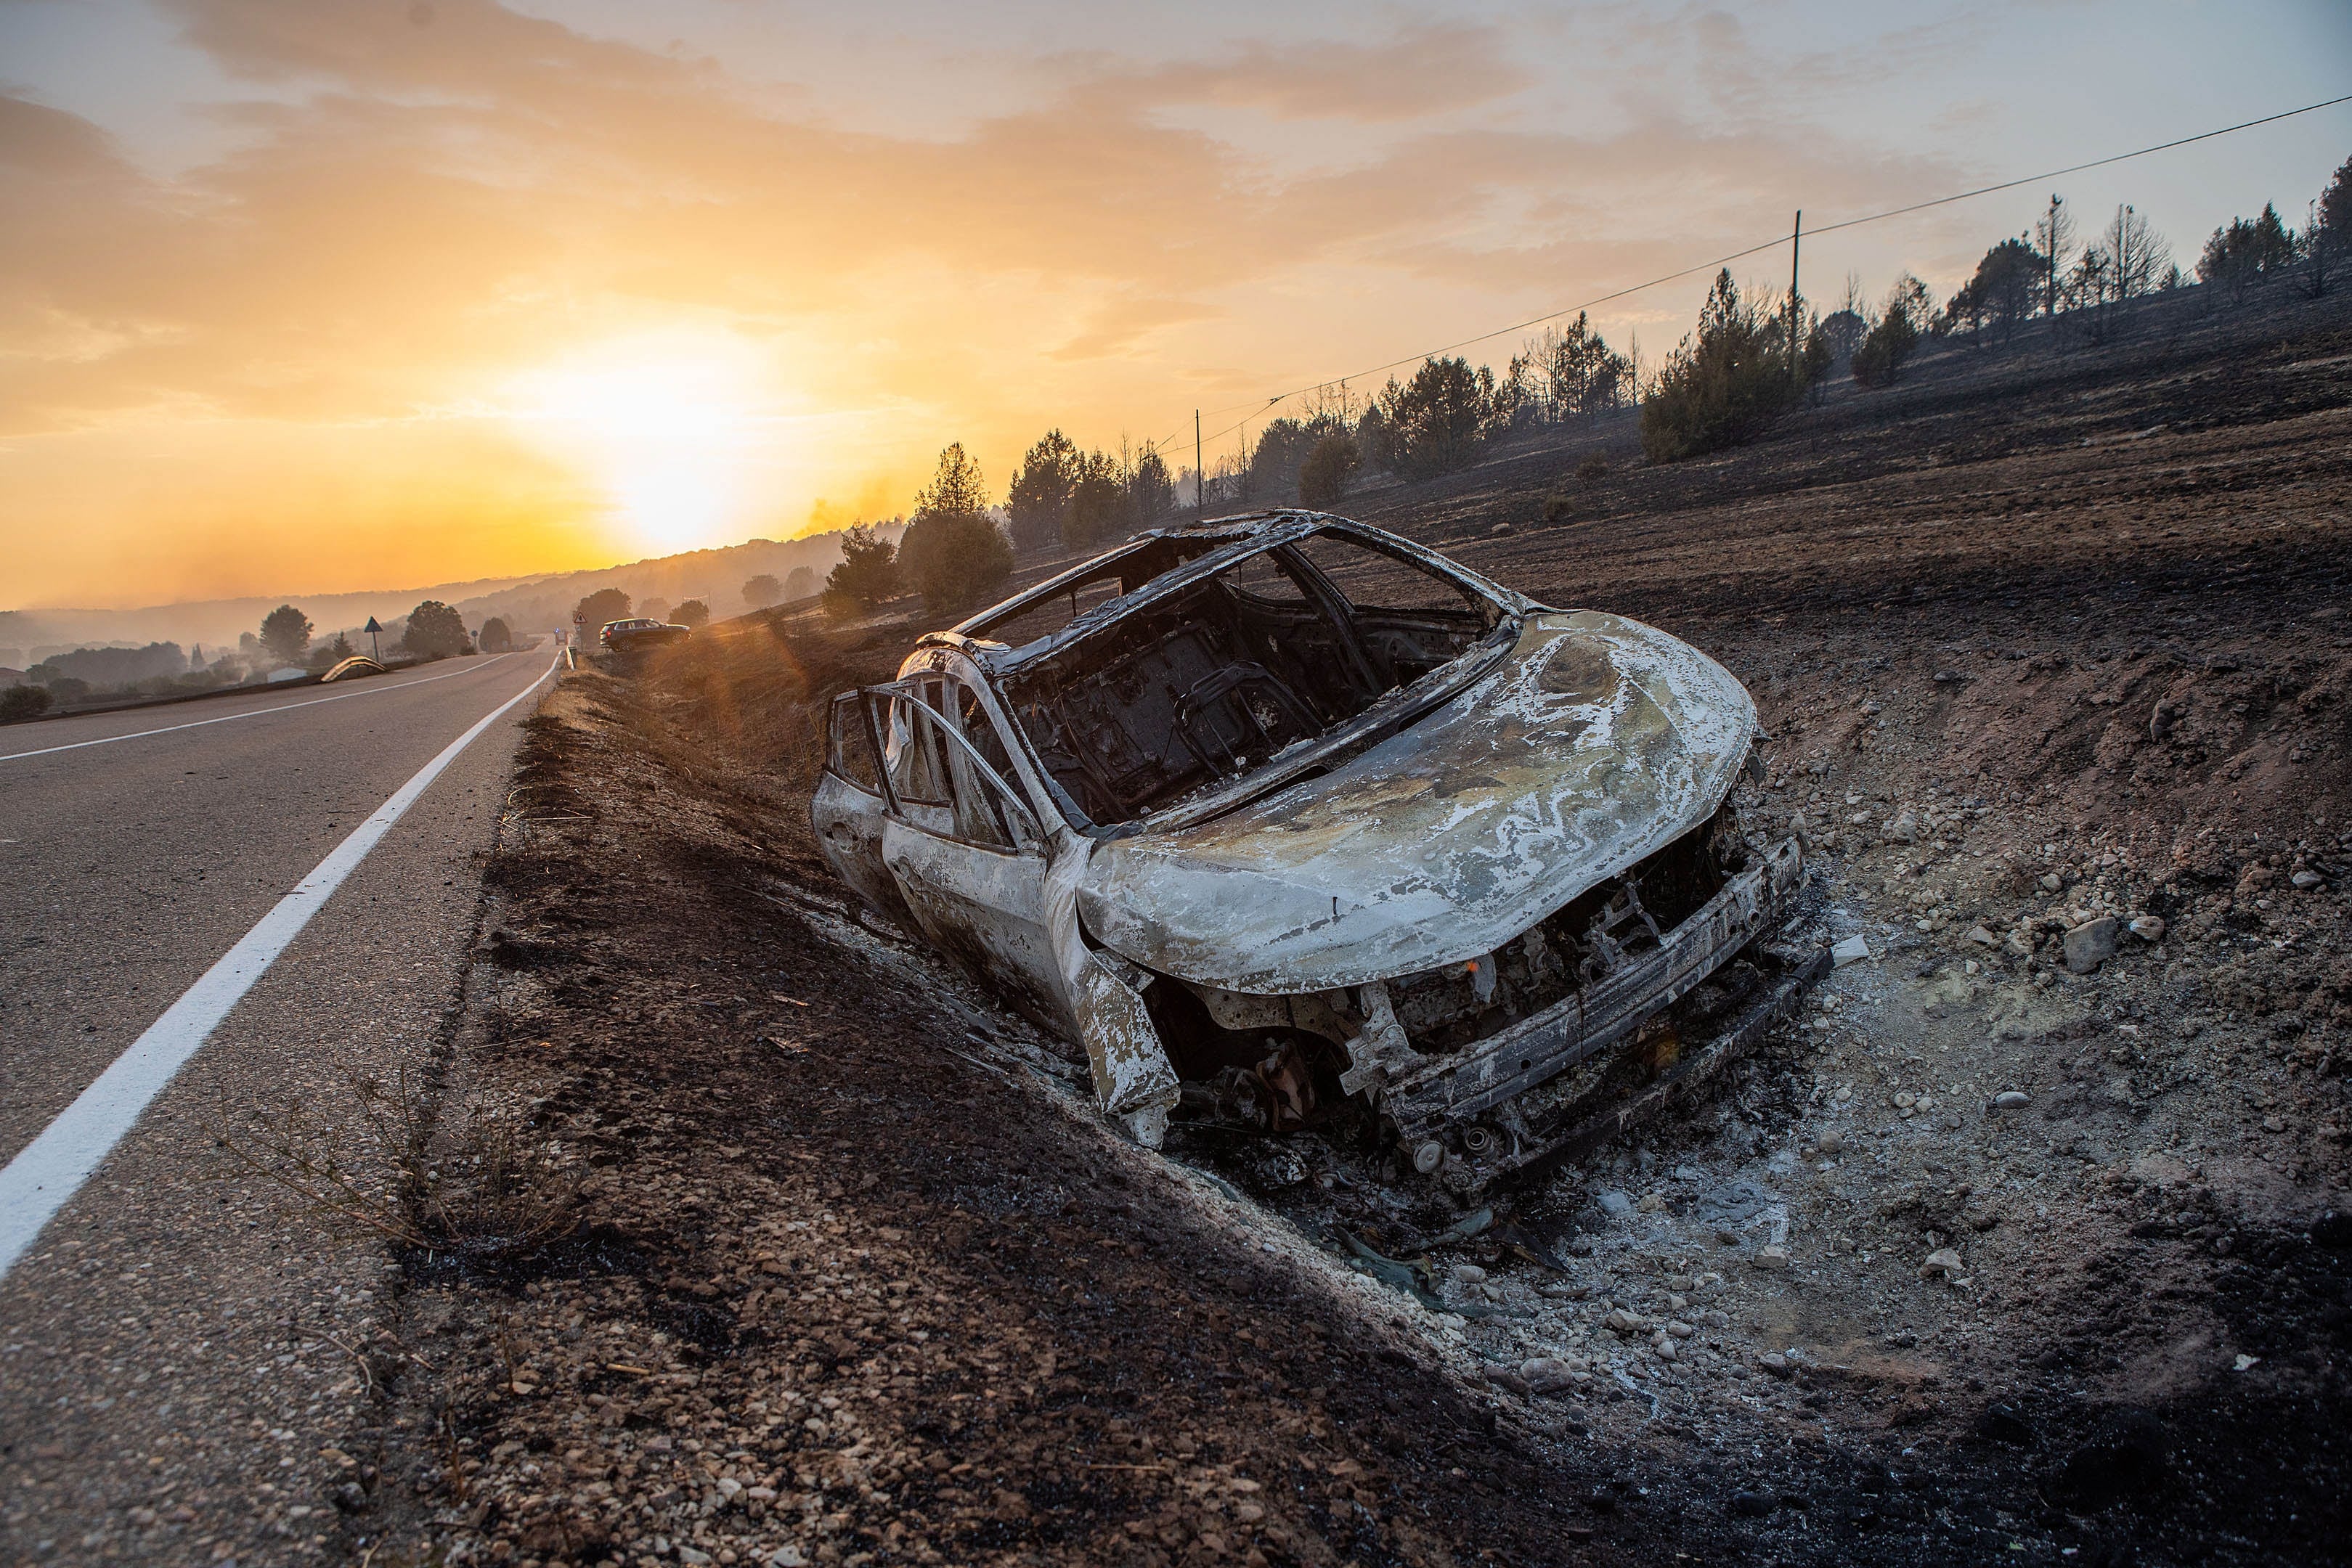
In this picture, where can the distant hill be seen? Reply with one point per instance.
(527, 603)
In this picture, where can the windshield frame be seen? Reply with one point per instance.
(1388, 713)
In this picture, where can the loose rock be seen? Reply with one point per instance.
(2092, 944)
(1547, 1375)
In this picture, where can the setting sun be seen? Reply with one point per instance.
(675, 430)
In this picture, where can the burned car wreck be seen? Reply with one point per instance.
(1287, 821)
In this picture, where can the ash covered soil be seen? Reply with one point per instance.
(2025, 1242)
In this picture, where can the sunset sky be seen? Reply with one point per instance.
(317, 294)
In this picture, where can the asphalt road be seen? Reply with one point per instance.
(170, 1341)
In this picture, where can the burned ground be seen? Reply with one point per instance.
(857, 1274)
(860, 1289)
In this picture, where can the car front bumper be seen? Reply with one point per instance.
(1452, 1090)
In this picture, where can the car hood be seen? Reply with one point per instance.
(1597, 741)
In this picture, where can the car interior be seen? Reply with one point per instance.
(1281, 647)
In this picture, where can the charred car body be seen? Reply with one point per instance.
(1286, 819)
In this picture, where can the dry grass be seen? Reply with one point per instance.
(478, 1183)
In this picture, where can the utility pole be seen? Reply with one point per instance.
(1796, 237)
(2122, 249)
(1200, 479)
(2049, 294)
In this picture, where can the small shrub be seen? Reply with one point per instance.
(1557, 508)
(1593, 469)
(19, 703)
(478, 1183)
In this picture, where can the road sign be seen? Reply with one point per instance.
(375, 650)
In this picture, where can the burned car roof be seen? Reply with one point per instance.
(1225, 541)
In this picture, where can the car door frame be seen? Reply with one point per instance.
(847, 816)
(983, 903)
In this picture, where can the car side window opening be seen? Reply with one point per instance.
(974, 722)
(849, 751)
(1210, 683)
(928, 768)
(911, 749)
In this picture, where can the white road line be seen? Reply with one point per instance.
(256, 713)
(49, 1171)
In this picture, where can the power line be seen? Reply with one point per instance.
(1775, 243)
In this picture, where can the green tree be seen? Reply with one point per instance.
(1375, 441)
(1037, 506)
(800, 583)
(693, 612)
(1323, 477)
(867, 575)
(764, 591)
(1726, 383)
(334, 652)
(1151, 487)
(1843, 331)
(1281, 451)
(1440, 421)
(605, 605)
(285, 634)
(2247, 251)
(952, 551)
(2336, 203)
(2003, 291)
(435, 631)
(497, 636)
(1892, 338)
(1568, 373)
(1100, 508)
